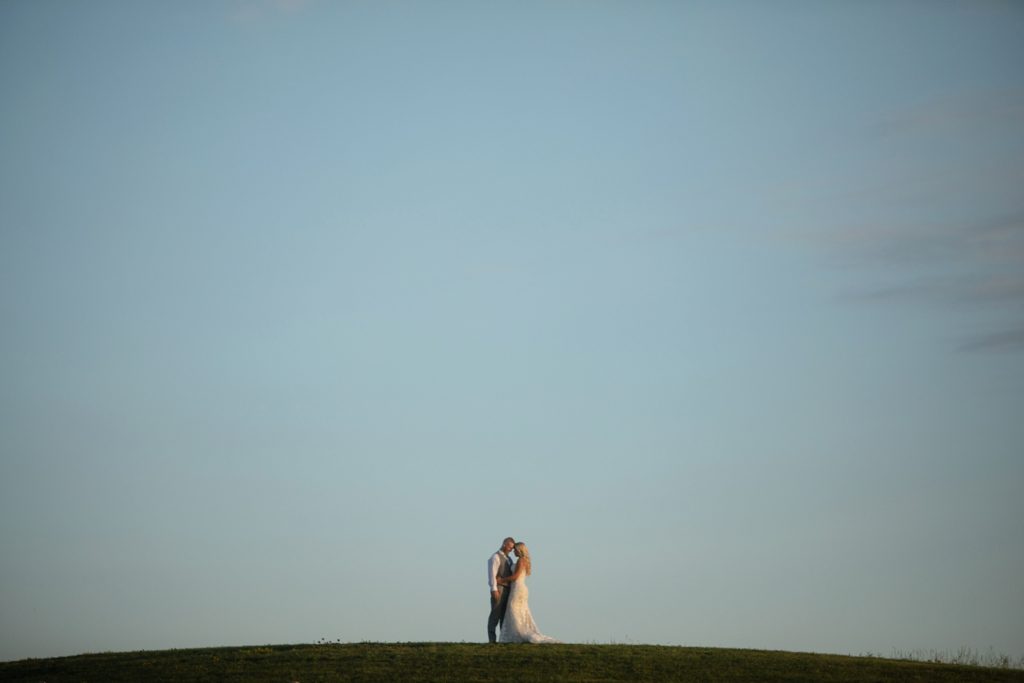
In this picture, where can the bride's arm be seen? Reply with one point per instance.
(515, 574)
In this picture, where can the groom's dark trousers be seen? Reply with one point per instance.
(498, 608)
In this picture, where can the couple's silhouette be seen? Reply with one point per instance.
(510, 607)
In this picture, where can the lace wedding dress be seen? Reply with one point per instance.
(518, 626)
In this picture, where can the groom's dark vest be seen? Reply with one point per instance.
(505, 570)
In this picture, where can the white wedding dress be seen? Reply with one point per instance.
(518, 626)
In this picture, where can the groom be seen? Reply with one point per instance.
(500, 565)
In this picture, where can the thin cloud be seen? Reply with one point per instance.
(994, 239)
(968, 266)
(1003, 238)
(1007, 341)
(994, 289)
(965, 110)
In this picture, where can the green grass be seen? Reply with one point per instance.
(481, 662)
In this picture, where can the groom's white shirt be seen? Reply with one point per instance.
(497, 559)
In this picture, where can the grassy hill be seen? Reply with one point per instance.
(481, 662)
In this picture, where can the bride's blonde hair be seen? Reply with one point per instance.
(524, 555)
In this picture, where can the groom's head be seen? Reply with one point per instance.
(507, 545)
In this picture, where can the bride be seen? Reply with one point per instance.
(518, 626)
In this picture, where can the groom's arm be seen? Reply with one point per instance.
(492, 574)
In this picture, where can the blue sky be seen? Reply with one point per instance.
(307, 305)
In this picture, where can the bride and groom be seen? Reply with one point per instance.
(510, 597)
